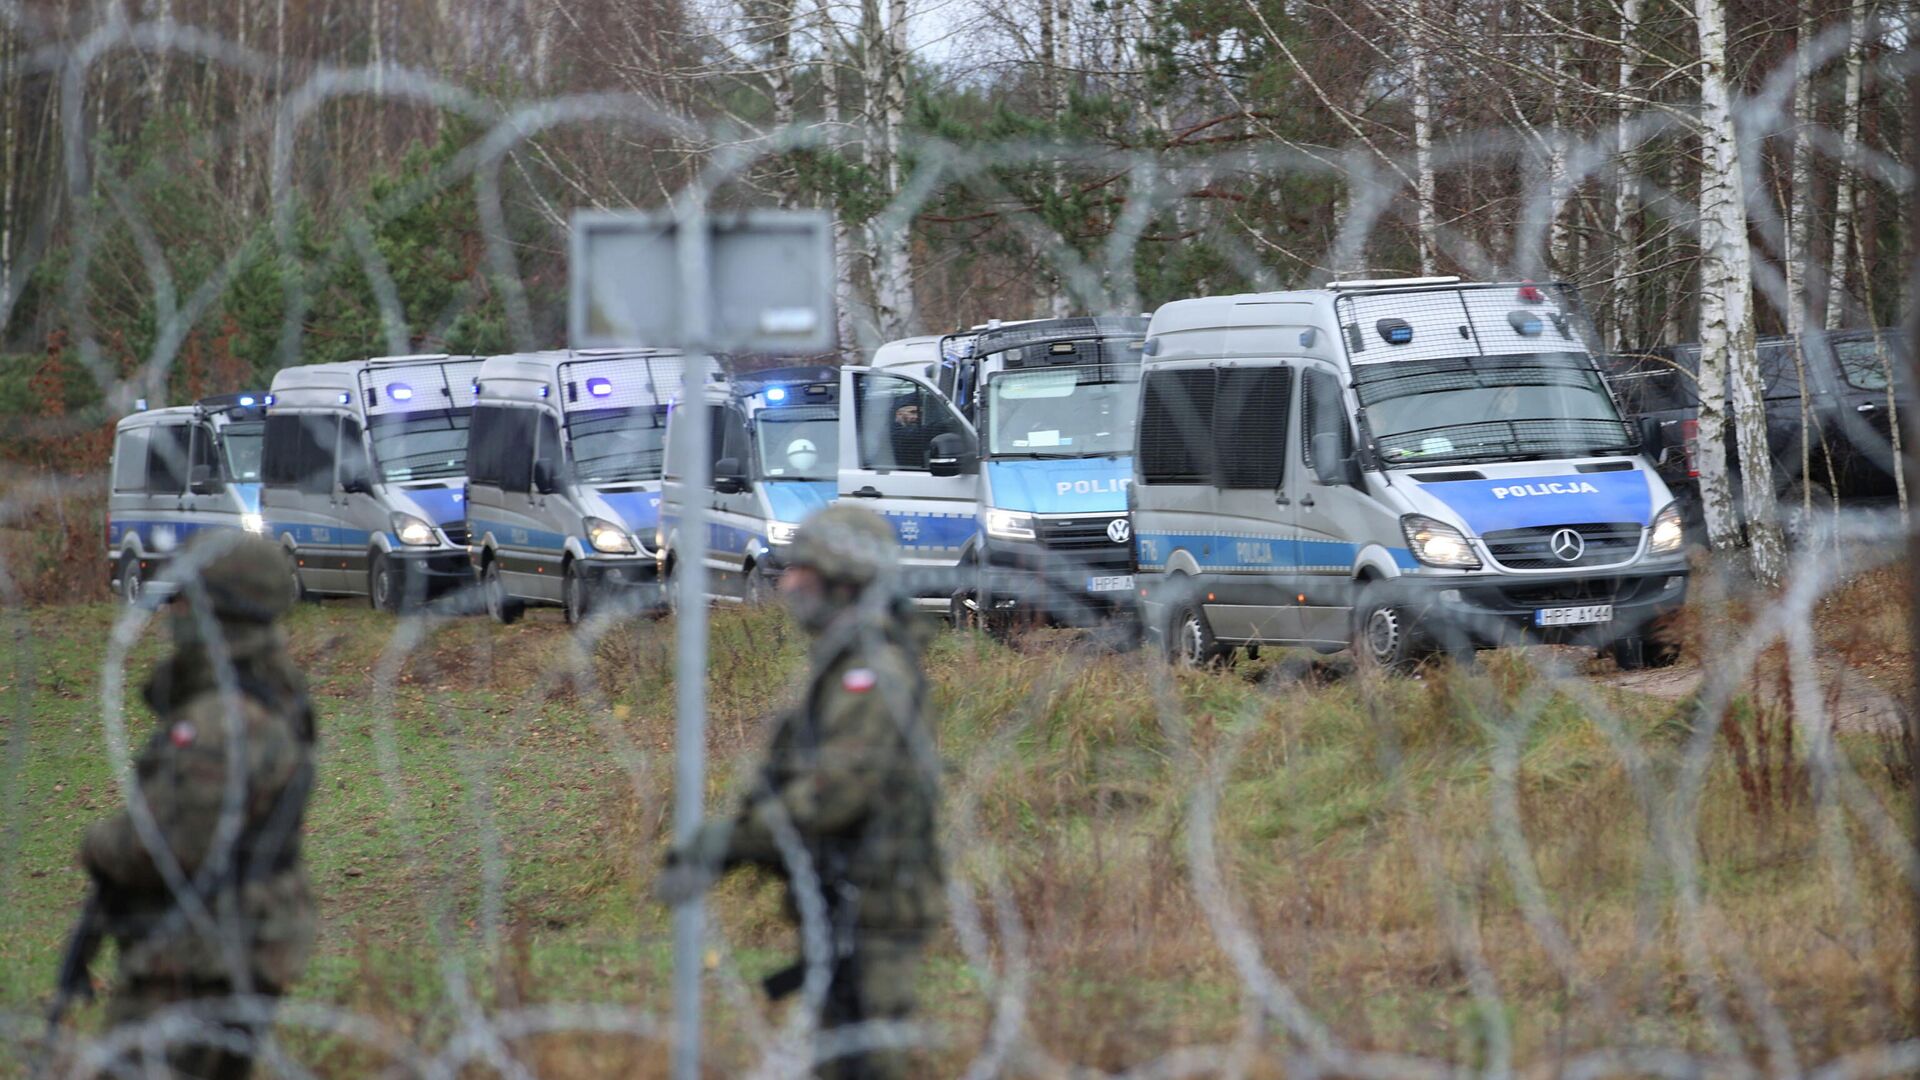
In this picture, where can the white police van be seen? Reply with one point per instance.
(1404, 467)
(364, 475)
(563, 477)
(789, 441)
(175, 472)
(1055, 402)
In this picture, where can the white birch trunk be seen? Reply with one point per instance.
(9, 158)
(1559, 184)
(1799, 261)
(1623, 326)
(845, 285)
(1426, 218)
(893, 247)
(1843, 196)
(1727, 357)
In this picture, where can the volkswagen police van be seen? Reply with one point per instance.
(175, 472)
(563, 477)
(1405, 467)
(1055, 406)
(364, 474)
(787, 442)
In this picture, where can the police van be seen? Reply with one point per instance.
(1404, 467)
(364, 475)
(786, 442)
(563, 477)
(175, 472)
(1055, 401)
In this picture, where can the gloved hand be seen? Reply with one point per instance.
(691, 868)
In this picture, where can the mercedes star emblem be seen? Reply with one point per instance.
(1118, 530)
(1567, 545)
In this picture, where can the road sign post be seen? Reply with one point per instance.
(758, 281)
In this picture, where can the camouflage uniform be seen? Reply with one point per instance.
(253, 887)
(853, 770)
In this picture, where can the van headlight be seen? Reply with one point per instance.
(253, 523)
(412, 531)
(781, 532)
(1437, 543)
(1007, 525)
(607, 537)
(1669, 533)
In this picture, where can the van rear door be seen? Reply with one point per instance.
(888, 423)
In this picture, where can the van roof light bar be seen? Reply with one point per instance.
(1393, 283)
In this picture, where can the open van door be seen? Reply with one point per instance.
(907, 454)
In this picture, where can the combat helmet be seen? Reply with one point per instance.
(845, 544)
(246, 578)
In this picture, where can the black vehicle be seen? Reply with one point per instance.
(1846, 414)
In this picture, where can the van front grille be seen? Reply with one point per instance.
(456, 532)
(1544, 547)
(1087, 539)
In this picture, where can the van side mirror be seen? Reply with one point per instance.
(728, 477)
(357, 484)
(202, 481)
(544, 481)
(1653, 437)
(949, 455)
(1330, 466)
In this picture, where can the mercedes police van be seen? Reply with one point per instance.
(1055, 402)
(786, 442)
(1404, 467)
(175, 472)
(563, 477)
(364, 474)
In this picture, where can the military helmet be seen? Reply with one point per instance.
(848, 544)
(246, 578)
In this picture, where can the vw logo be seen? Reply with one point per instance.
(1567, 545)
(1119, 530)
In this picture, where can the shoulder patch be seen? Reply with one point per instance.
(182, 733)
(859, 680)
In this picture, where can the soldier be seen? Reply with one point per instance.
(238, 920)
(853, 772)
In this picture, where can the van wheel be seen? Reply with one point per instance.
(576, 600)
(300, 593)
(1384, 636)
(759, 590)
(504, 609)
(131, 587)
(1190, 640)
(383, 584)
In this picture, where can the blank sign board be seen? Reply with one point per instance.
(769, 281)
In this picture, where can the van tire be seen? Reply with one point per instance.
(759, 590)
(300, 593)
(504, 609)
(1190, 641)
(1385, 636)
(384, 585)
(576, 595)
(131, 587)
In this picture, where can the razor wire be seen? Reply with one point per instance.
(1278, 1021)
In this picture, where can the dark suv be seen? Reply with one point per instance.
(1847, 412)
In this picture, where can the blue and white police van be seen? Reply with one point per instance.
(563, 478)
(175, 472)
(1404, 467)
(1054, 401)
(789, 441)
(364, 476)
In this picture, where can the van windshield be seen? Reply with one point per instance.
(1067, 412)
(613, 446)
(798, 442)
(1490, 408)
(241, 442)
(430, 444)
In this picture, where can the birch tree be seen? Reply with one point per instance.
(1844, 187)
(1727, 357)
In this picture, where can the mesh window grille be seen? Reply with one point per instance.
(1321, 409)
(1250, 426)
(1176, 422)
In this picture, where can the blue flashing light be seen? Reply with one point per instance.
(1394, 331)
(246, 399)
(1525, 323)
(345, 397)
(545, 390)
(776, 393)
(599, 387)
(139, 404)
(476, 388)
(399, 391)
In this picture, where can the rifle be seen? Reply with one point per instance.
(76, 978)
(843, 905)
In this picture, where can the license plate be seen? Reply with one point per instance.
(1111, 583)
(1573, 616)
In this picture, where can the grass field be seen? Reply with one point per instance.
(1458, 867)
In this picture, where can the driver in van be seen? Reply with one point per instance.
(909, 437)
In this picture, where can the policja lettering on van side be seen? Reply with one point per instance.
(1103, 486)
(1583, 487)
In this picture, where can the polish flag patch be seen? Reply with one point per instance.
(859, 680)
(182, 734)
